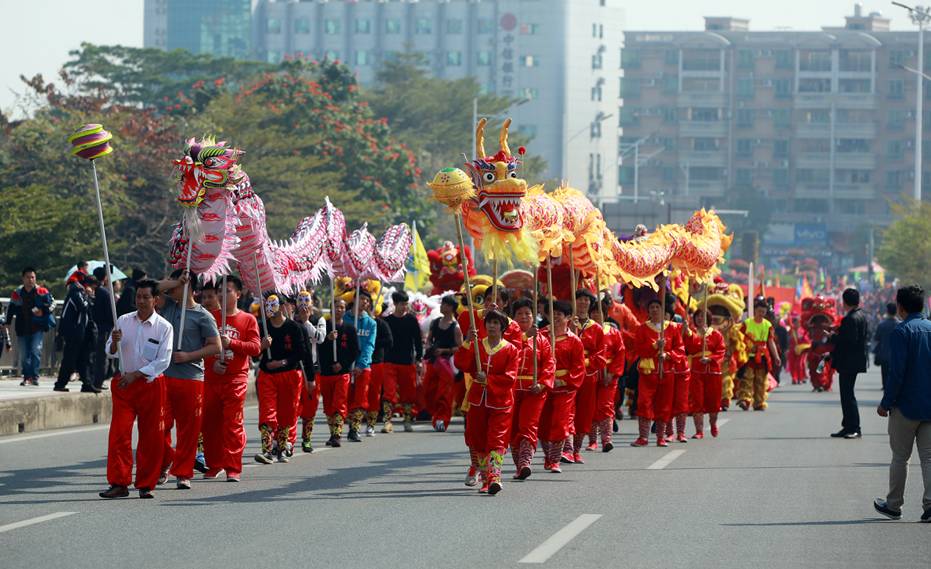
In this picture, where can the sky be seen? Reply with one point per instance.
(38, 34)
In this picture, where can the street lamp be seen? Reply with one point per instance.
(919, 15)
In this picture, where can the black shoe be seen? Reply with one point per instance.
(926, 517)
(880, 506)
(61, 389)
(333, 442)
(146, 494)
(853, 435)
(608, 447)
(839, 434)
(90, 389)
(524, 473)
(200, 465)
(614, 427)
(354, 436)
(115, 491)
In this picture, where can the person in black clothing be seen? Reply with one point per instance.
(443, 339)
(75, 327)
(404, 363)
(127, 301)
(279, 382)
(849, 357)
(881, 340)
(103, 320)
(383, 343)
(335, 365)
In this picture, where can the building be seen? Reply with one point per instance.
(560, 63)
(821, 123)
(218, 27)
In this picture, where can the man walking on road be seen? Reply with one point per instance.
(881, 339)
(31, 307)
(849, 358)
(907, 401)
(103, 319)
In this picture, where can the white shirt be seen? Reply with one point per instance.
(146, 344)
(317, 335)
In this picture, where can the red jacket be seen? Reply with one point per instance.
(512, 333)
(593, 341)
(243, 331)
(614, 351)
(674, 349)
(500, 366)
(714, 350)
(570, 363)
(546, 366)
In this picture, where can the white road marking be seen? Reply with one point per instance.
(33, 521)
(18, 438)
(559, 539)
(666, 460)
(722, 422)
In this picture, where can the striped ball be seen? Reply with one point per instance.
(90, 142)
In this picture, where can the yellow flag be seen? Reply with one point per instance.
(418, 265)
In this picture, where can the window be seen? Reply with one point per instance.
(363, 57)
(595, 129)
(854, 116)
(854, 176)
(784, 59)
(814, 60)
(745, 148)
(273, 26)
(363, 26)
(630, 58)
(897, 119)
(423, 26)
(781, 179)
(783, 88)
(850, 145)
(454, 58)
(819, 177)
(483, 58)
(856, 60)
(530, 61)
(454, 26)
(670, 114)
(331, 55)
(701, 60)
(486, 26)
(780, 149)
(672, 57)
(744, 177)
(530, 29)
(895, 149)
(630, 116)
(669, 175)
(670, 84)
(706, 174)
(625, 174)
(597, 92)
(700, 114)
(630, 88)
(745, 88)
(597, 60)
(815, 145)
(531, 93)
(745, 59)
(782, 118)
(852, 207)
(894, 180)
(392, 26)
(811, 206)
(896, 89)
(301, 26)
(855, 86)
(817, 116)
(700, 85)
(331, 27)
(899, 57)
(705, 144)
(809, 85)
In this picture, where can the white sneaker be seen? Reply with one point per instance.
(369, 431)
(471, 478)
(184, 484)
(440, 427)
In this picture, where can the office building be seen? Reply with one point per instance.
(218, 27)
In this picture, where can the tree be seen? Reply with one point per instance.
(906, 250)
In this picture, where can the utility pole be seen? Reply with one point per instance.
(920, 15)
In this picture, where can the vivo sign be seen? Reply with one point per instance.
(811, 234)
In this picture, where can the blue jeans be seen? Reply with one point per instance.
(30, 353)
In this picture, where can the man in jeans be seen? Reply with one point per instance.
(30, 311)
(907, 401)
(849, 358)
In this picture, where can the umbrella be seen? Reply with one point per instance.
(118, 275)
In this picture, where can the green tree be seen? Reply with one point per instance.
(906, 250)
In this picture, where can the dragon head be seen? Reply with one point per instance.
(206, 164)
(499, 189)
(818, 312)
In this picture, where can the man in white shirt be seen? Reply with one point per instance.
(143, 341)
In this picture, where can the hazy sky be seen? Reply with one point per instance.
(38, 34)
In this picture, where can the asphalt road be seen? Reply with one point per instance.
(772, 491)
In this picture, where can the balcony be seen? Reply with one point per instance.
(815, 160)
(702, 129)
(702, 100)
(702, 188)
(812, 190)
(855, 130)
(855, 160)
(716, 158)
(854, 191)
(840, 100)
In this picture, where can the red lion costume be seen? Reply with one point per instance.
(446, 268)
(818, 318)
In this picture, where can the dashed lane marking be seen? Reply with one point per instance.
(559, 539)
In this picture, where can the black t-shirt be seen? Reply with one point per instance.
(408, 342)
(287, 344)
(347, 349)
(383, 340)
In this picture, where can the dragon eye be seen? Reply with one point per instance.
(489, 177)
(512, 174)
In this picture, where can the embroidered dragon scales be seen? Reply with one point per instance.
(226, 221)
(510, 221)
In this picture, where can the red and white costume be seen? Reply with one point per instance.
(654, 393)
(556, 418)
(615, 357)
(706, 378)
(529, 405)
(592, 336)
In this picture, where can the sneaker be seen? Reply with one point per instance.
(547, 466)
(232, 477)
(114, 491)
(714, 431)
(591, 447)
(839, 434)
(184, 484)
(555, 468)
(61, 389)
(369, 431)
(567, 458)
(354, 436)
(494, 488)
(200, 465)
(698, 436)
(523, 474)
(264, 458)
(854, 435)
(484, 488)
(607, 447)
(440, 427)
(471, 478)
(163, 477)
(334, 442)
(682, 438)
(307, 447)
(880, 506)
(212, 474)
(577, 458)
(745, 405)
(388, 428)
(289, 449)
(640, 442)
(661, 442)
(24, 383)
(146, 494)
(283, 457)
(408, 428)
(926, 516)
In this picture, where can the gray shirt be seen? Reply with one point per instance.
(199, 325)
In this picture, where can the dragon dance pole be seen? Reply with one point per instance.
(662, 325)
(187, 284)
(494, 280)
(106, 259)
(468, 284)
(704, 311)
(356, 308)
(258, 288)
(333, 310)
(223, 304)
(535, 304)
(572, 281)
(549, 288)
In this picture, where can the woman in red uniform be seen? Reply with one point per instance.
(655, 393)
(606, 392)
(569, 358)
(530, 392)
(491, 396)
(592, 335)
(705, 348)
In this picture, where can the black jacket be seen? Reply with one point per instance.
(75, 314)
(851, 343)
(347, 349)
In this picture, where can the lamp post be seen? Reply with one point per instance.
(919, 15)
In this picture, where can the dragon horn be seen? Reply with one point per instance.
(480, 138)
(503, 139)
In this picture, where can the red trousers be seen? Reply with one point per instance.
(487, 429)
(438, 382)
(334, 389)
(184, 407)
(145, 402)
(585, 404)
(681, 393)
(525, 421)
(359, 391)
(307, 408)
(403, 378)
(605, 400)
(376, 384)
(556, 417)
(705, 392)
(224, 435)
(279, 398)
(654, 397)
